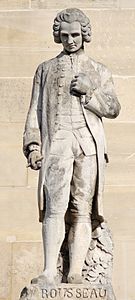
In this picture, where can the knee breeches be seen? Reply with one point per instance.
(70, 178)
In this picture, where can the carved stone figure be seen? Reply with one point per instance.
(64, 138)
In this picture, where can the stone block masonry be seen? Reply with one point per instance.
(25, 41)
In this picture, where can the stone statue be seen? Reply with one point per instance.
(64, 138)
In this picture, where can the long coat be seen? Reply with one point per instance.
(41, 119)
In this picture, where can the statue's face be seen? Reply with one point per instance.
(71, 36)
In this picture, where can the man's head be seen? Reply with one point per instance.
(71, 28)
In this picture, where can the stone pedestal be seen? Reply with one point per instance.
(68, 291)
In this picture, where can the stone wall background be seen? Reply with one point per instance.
(25, 41)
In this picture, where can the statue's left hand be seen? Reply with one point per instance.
(80, 84)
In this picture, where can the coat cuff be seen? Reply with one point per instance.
(89, 94)
(31, 138)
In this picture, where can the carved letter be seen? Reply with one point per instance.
(102, 292)
(93, 293)
(53, 293)
(59, 292)
(85, 293)
(69, 293)
(65, 291)
(44, 293)
(78, 293)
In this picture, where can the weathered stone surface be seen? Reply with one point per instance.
(12, 157)
(14, 104)
(97, 268)
(19, 216)
(19, 207)
(119, 208)
(64, 291)
(5, 270)
(118, 200)
(126, 3)
(26, 29)
(11, 134)
(26, 264)
(121, 170)
(62, 173)
(76, 3)
(58, 169)
(11, 67)
(12, 166)
(30, 59)
(124, 252)
(32, 178)
(15, 98)
(130, 268)
(120, 138)
(22, 62)
(125, 91)
(120, 270)
(14, 4)
(12, 163)
(121, 150)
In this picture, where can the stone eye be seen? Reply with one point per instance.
(75, 34)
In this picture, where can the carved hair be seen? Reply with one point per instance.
(70, 15)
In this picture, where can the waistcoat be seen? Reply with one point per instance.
(69, 111)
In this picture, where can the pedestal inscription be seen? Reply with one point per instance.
(66, 292)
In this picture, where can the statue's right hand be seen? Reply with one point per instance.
(34, 160)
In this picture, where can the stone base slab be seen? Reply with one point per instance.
(68, 291)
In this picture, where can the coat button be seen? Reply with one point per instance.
(60, 84)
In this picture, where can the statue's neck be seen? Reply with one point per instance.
(80, 51)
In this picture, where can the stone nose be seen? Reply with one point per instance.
(70, 39)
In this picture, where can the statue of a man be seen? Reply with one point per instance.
(64, 138)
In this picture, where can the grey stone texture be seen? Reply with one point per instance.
(15, 103)
(5, 270)
(96, 272)
(98, 264)
(19, 199)
(120, 201)
(11, 158)
(126, 3)
(42, 4)
(72, 291)
(25, 31)
(63, 126)
(19, 59)
(25, 265)
(14, 4)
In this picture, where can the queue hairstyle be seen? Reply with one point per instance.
(70, 15)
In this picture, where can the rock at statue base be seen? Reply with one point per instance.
(98, 263)
(68, 291)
